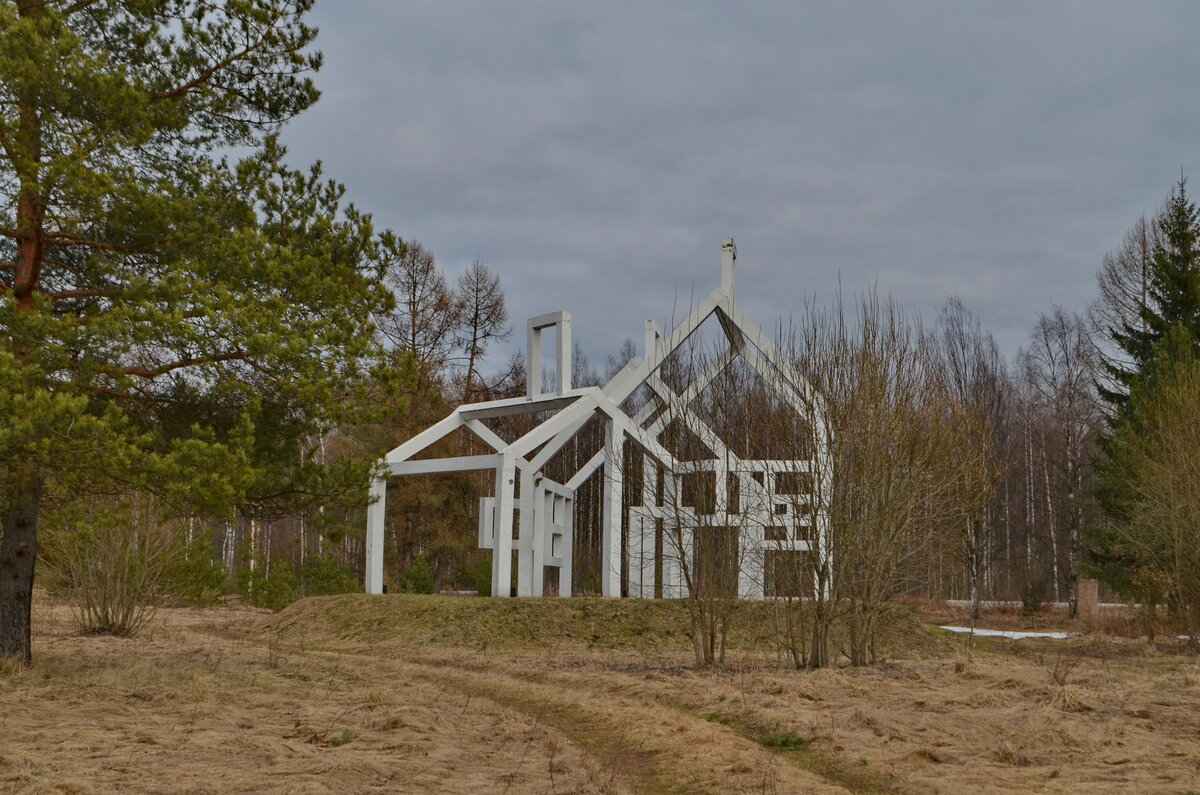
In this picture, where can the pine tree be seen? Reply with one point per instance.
(169, 320)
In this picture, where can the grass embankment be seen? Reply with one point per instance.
(416, 621)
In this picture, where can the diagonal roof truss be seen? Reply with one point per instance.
(526, 457)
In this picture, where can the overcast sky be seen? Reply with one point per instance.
(595, 154)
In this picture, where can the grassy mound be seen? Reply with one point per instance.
(411, 621)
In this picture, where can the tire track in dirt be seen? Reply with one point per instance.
(825, 769)
(829, 768)
(646, 746)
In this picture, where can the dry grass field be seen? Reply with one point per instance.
(436, 694)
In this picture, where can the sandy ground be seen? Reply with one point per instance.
(208, 702)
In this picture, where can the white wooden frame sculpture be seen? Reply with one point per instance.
(544, 529)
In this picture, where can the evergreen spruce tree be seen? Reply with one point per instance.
(1169, 339)
(1173, 297)
(170, 319)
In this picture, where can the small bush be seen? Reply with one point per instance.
(419, 578)
(113, 560)
(273, 591)
(481, 573)
(1031, 601)
(325, 576)
(195, 576)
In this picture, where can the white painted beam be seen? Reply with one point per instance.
(586, 471)
(522, 405)
(425, 438)
(610, 542)
(376, 520)
(466, 463)
(502, 544)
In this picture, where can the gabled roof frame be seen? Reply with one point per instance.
(575, 408)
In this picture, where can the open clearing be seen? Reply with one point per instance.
(437, 694)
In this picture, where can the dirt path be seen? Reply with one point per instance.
(200, 703)
(193, 706)
(206, 702)
(646, 744)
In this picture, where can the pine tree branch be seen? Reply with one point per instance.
(67, 240)
(150, 373)
(65, 294)
(205, 76)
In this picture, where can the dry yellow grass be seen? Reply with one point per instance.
(231, 699)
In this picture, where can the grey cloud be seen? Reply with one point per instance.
(596, 154)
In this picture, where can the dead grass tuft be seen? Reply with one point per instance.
(1071, 699)
(1010, 753)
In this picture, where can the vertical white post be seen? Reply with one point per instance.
(503, 542)
(543, 517)
(610, 551)
(819, 502)
(751, 560)
(650, 342)
(376, 513)
(533, 361)
(676, 552)
(728, 258)
(634, 554)
(721, 497)
(527, 536)
(564, 573)
(563, 353)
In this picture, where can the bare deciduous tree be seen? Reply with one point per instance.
(975, 375)
(483, 318)
(1060, 365)
(908, 458)
(428, 314)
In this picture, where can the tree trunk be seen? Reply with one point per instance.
(18, 553)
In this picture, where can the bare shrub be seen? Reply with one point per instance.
(909, 463)
(113, 560)
(1062, 668)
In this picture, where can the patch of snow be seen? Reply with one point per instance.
(1011, 634)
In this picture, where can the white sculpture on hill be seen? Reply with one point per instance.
(768, 510)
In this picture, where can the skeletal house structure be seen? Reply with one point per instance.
(775, 508)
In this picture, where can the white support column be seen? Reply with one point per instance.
(651, 341)
(503, 542)
(676, 553)
(525, 536)
(610, 550)
(568, 553)
(642, 557)
(728, 260)
(542, 520)
(533, 361)
(634, 554)
(562, 357)
(376, 514)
